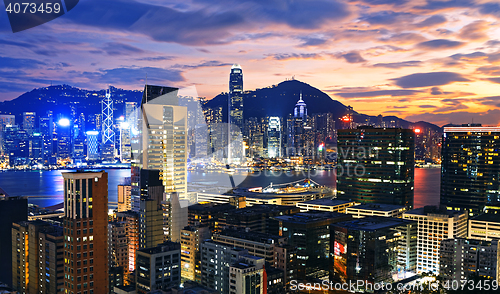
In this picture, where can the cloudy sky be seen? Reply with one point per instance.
(430, 60)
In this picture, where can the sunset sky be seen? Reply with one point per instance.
(437, 61)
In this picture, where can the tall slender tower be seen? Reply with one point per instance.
(235, 115)
(236, 96)
(85, 232)
(108, 135)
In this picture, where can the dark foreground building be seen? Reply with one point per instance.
(372, 249)
(470, 168)
(376, 165)
(12, 209)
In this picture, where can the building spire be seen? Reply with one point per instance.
(301, 97)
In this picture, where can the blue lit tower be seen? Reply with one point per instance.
(108, 135)
(296, 132)
(92, 145)
(300, 110)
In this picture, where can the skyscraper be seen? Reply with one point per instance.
(29, 121)
(46, 128)
(297, 124)
(5, 120)
(161, 144)
(376, 165)
(470, 168)
(108, 135)
(92, 145)
(236, 96)
(274, 137)
(85, 232)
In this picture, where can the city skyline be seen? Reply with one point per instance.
(426, 60)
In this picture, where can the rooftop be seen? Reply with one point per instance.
(326, 202)
(251, 236)
(434, 210)
(213, 207)
(310, 217)
(262, 208)
(487, 217)
(164, 247)
(372, 223)
(378, 207)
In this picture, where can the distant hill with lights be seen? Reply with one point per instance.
(279, 100)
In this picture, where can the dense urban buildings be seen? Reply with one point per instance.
(470, 168)
(85, 232)
(376, 165)
(171, 231)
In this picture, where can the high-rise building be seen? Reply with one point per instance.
(434, 225)
(376, 165)
(5, 119)
(93, 145)
(145, 183)
(29, 122)
(46, 128)
(215, 258)
(36, 148)
(37, 257)
(150, 224)
(63, 140)
(131, 218)
(12, 209)
(161, 143)
(296, 129)
(309, 232)
(466, 259)
(124, 197)
(247, 276)
(16, 144)
(236, 96)
(158, 268)
(118, 246)
(373, 249)
(86, 232)
(191, 239)
(175, 217)
(108, 134)
(470, 167)
(274, 137)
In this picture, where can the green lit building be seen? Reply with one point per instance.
(376, 165)
(470, 168)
